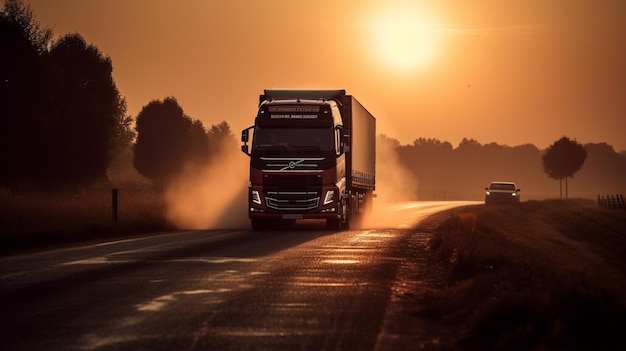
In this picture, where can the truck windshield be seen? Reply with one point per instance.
(293, 140)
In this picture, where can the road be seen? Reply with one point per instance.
(300, 289)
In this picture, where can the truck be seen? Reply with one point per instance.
(312, 156)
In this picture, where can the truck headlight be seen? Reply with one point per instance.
(330, 197)
(256, 198)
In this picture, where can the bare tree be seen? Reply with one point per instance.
(562, 159)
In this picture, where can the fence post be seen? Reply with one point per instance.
(610, 200)
(114, 204)
(602, 200)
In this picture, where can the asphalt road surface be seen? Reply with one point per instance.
(298, 289)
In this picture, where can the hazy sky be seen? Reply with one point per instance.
(510, 72)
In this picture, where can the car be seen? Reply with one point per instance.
(502, 192)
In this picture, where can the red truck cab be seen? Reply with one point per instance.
(300, 160)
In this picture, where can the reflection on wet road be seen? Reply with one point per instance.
(303, 289)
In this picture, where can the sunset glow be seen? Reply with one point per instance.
(512, 73)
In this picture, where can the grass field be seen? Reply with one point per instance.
(541, 275)
(544, 275)
(34, 219)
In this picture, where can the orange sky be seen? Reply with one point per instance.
(528, 72)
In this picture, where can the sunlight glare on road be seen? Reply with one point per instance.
(408, 214)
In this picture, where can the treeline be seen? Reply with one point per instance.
(63, 119)
(168, 140)
(442, 171)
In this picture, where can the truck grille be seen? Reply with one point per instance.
(296, 182)
(292, 200)
(292, 192)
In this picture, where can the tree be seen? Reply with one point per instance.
(427, 151)
(469, 145)
(604, 169)
(166, 140)
(124, 133)
(22, 19)
(562, 159)
(432, 144)
(24, 90)
(386, 142)
(89, 115)
(198, 143)
(62, 116)
(221, 138)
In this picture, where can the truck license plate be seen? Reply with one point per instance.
(292, 216)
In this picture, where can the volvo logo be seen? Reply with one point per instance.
(307, 163)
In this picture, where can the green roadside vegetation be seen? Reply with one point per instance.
(539, 275)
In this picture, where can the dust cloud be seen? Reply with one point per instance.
(211, 196)
(394, 184)
(214, 196)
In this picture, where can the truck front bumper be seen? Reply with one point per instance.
(292, 216)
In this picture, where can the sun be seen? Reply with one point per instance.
(404, 36)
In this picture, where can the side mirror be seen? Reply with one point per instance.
(245, 137)
(342, 139)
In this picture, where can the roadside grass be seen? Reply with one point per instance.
(547, 275)
(540, 275)
(34, 219)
